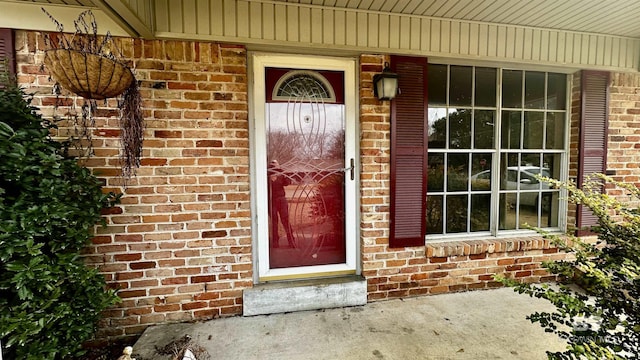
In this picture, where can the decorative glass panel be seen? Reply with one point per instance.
(306, 172)
(303, 84)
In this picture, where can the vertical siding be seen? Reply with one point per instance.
(303, 25)
(143, 9)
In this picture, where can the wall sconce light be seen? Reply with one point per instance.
(385, 84)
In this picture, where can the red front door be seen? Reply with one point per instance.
(306, 169)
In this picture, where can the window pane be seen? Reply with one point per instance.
(480, 212)
(555, 131)
(549, 209)
(507, 212)
(437, 128)
(533, 130)
(531, 161)
(485, 87)
(511, 129)
(456, 213)
(437, 84)
(460, 129)
(508, 172)
(534, 90)
(460, 87)
(551, 164)
(458, 172)
(483, 129)
(435, 175)
(434, 214)
(527, 215)
(481, 172)
(557, 92)
(512, 88)
(529, 169)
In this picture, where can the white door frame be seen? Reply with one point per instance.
(257, 64)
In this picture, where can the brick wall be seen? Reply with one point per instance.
(179, 245)
(574, 141)
(624, 128)
(623, 146)
(438, 267)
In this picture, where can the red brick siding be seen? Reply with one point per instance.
(624, 129)
(574, 140)
(179, 245)
(623, 147)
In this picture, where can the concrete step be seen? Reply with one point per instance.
(301, 295)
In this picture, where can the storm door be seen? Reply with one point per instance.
(305, 166)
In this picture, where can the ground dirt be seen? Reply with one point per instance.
(106, 351)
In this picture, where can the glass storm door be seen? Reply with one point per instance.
(305, 166)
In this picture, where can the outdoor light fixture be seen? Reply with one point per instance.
(385, 84)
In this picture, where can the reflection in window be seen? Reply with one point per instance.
(484, 164)
(461, 85)
(460, 129)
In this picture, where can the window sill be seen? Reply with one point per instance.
(467, 247)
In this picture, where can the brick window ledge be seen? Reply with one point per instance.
(488, 246)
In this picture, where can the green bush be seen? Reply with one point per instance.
(599, 319)
(50, 301)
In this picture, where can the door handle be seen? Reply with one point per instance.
(351, 168)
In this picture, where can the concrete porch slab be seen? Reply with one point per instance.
(304, 295)
(474, 325)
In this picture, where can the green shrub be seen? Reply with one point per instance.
(50, 301)
(599, 319)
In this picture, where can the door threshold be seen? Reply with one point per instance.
(308, 276)
(302, 295)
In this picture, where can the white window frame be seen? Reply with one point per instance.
(497, 152)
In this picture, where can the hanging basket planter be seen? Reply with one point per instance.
(92, 66)
(91, 76)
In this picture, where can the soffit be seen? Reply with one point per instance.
(588, 16)
(87, 3)
(591, 16)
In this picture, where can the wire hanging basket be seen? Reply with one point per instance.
(89, 65)
(91, 76)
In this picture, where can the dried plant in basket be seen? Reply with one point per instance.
(90, 66)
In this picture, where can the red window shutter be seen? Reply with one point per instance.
(593, 136)
(408, 153)
(7, 51)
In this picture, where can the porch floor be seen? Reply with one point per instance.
(487, 324)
